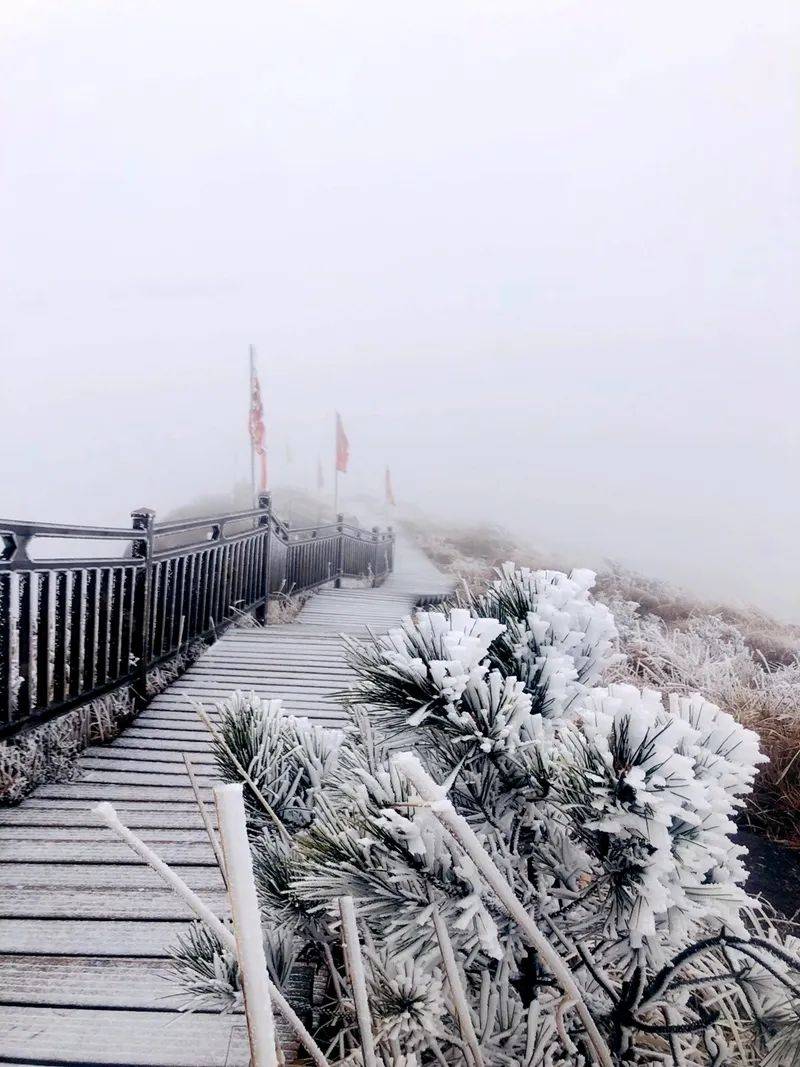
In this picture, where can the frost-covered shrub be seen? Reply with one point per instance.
(609, 810)
(650, 792)
(285, 758)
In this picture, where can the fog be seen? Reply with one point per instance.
(543, 257)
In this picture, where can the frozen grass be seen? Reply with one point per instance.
(48, 753)
(742, 660)
(282, 608)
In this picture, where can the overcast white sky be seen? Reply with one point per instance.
(543, 256)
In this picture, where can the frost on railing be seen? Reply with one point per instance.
(86, 611)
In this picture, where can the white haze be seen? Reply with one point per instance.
(542, 256)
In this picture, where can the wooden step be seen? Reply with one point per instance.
(93, 937)
(92, 874)
(90, 982)
(93, 1036)
(53, 850)
(85, 926)
(102, 902)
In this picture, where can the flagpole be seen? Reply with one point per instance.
(335, 464)
(252, 446)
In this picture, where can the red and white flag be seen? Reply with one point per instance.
(342, 446)
(389, 490)
(256, 422)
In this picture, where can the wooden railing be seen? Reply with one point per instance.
(74, 629)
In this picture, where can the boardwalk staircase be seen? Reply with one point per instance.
(85, 928)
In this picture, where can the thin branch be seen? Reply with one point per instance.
(201, 712)
(212, 837)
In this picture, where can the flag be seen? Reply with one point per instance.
(256, 422)
(320, 475)
(342, 446)
(389, 491)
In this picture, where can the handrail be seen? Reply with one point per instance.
(74, 629)
(211, 520)
(55, 529)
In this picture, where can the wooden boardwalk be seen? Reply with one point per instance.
(84, 926)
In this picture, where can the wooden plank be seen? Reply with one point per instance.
(142, 759)
(100, 769)
(39, 813)
(21, 835)
(34, 851)
(200, 684)
(182, 728)
(128, 807)
(89, 982)
(92, 792)
(263, 668)
(97, 937)
(92, 1036)
(72, 903)
(166, 745)
(91, 876)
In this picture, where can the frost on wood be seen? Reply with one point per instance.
(358, 982)
(607, 810)
(247, 925)
(213, 924)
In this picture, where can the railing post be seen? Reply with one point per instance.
(142, 548)
(375, 551)
(340, 550)
(265, 501)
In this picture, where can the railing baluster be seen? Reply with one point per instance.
(8, 625)
(156, 598)
(59, 623)
(127, 619)
(117, 615)
(244, 592)
(103, 634)
(199, 590)
(90, 642)
(167, 607)
(75, 610)
(244, 588)
(83, 579)
(227, 583)
(112, 625)
(188, 599)
(24, 662)
(236, 588)
(253, 585)
(157, 612)
(175, 605)
(41, 605)
(212, 608)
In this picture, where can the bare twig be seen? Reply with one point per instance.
(212, 837)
